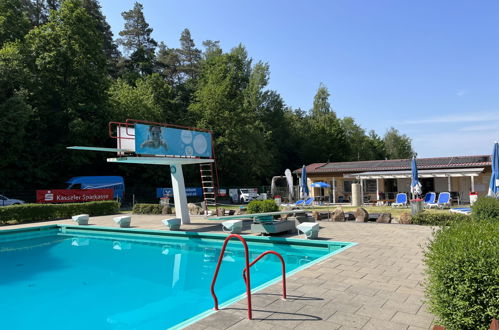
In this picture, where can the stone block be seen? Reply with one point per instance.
(361, 215)
(384, 218)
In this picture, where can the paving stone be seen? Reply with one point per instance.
(402, 307)
(376, 324)
(411, 319)
(377, 312)
(349, 320)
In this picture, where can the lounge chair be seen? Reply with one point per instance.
(429, 198)
(443, 201)
(461, 210)
(400, 200)
(309, 201)
(300, 202)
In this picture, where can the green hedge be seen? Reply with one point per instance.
(268, 205)
(147, 209)
(438, 219)
(463, 274)
(486, 208)
(40, 212)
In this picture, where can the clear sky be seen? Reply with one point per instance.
(429, 68)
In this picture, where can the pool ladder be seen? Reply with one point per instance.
(246, 270)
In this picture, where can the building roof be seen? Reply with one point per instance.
(398, 164)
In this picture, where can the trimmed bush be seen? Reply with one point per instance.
(463, 274)
(438, 219)
(147, 209)
(485, 208)
(41, 212)
(268, 205)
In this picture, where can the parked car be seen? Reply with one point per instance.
(247, 195)
(5, 201)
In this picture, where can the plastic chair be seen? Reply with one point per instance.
(429, 198)
(400, 200)
(443, 200)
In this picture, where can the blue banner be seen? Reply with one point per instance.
(158, 140)
(168, 192)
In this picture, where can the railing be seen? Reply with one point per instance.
(247, 279)
(283, 269)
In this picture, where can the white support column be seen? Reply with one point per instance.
(361, 191)
(449, 183)
(334, 190)
(472, 183)
(377, 189)
(179, 195)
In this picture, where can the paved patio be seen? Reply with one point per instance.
(373, 285)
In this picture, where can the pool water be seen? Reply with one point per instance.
(61, 280)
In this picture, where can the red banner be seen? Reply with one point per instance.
(73, 195)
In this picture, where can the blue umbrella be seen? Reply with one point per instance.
(415, 185)
(320, 185)
(494, 178)
(303, 184)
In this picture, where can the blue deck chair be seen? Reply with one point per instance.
(429, 198)
(300, 202)
(309, 201)
(400, 200)
(443, 201)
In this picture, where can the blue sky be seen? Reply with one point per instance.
(428, 68)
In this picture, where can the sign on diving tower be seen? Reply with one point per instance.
(143, 142)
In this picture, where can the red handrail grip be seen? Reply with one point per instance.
(248, 282)
(283, 269)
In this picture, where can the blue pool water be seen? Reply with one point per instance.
(78, 279)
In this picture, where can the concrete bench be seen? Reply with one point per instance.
(123, 221)
(232, 226)
(81, 219)
(173, 223)
(309, 229)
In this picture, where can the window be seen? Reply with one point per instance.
(370, 186)
(347, 186)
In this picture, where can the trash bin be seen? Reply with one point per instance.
(473, 197)
(164, 201)
(277, 200)
(416, 206)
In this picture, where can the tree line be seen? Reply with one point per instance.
(63, 77)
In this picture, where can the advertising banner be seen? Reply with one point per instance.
(158, 140)
(73, 195)
(168, 192)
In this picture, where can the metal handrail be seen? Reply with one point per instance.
(283, 269)
(248, 285)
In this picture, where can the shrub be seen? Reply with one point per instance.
(438, 219)
(463, 271)
(486, 208)
(147, 209)
(268, 205)
(40, 212)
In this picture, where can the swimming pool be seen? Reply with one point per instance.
(56, 277)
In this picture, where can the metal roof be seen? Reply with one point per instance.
(398, 164)
(454, 172)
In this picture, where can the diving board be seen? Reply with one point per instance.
(99, 149)
(256, 215)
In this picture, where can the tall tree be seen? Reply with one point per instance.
(137, 41)
(109, 46)
(68, 65)
(398, 146)
(189, 55)
(14, 20)
(321, 102)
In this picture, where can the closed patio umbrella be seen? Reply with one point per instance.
(303, 183)
(494, 178)
(415, 184)
(320, 185)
